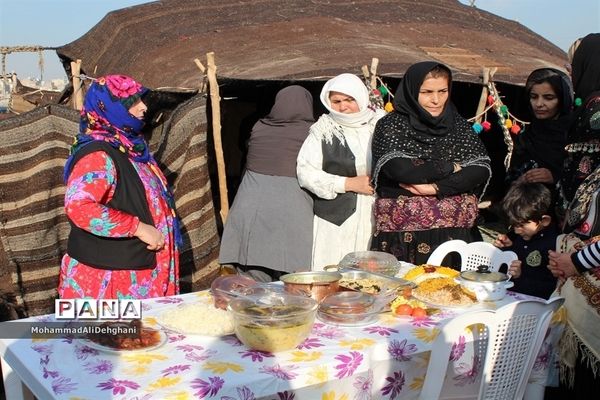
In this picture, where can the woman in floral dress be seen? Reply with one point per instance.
(124, 237)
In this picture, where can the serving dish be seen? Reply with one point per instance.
(350, 309)
(316, 284)
(273, 322)
(371, 261)
(444, 292)
(224, 288)
(487, 285)
(371, 282)
(162, 339)
(200, 318)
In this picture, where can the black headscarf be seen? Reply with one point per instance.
(406, 101)
(276, 139)
(585, 69)
(544, 140)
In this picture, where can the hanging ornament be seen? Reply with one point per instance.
(383, 90)
(490, 100)
(389, 107)
(508, 123)
(376, 92)
(486, 125)
(504, 110)
(515, 129)
(477, 128)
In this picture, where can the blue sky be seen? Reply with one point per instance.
(58, 22)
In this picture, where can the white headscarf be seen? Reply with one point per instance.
(350, 85)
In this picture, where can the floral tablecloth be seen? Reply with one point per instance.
(384, 360)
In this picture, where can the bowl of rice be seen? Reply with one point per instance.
(197, 319)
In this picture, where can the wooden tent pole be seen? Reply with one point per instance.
(77, 92)
(216, 124)
(374, 65)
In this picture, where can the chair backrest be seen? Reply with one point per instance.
(472, 255)
(514, 335)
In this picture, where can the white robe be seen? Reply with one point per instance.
(331, 242)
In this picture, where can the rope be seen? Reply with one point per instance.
(502, 120)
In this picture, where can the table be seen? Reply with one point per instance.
(384, 360)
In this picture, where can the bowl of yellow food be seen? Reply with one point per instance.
(273, 322)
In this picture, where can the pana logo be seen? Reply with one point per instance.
(97, 309)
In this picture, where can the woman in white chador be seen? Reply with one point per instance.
(333, 164)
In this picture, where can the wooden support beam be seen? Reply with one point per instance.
(215, 100)
(77, 100)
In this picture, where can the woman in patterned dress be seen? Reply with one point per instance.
(124, 240)
(429, 168)
(579, 272)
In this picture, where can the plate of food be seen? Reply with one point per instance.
(444, 292)
(200, 318)
(424, 272)
(117, 337)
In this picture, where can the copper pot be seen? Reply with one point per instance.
(316, 284)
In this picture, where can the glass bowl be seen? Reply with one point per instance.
(273, 322)
(371, 261)
(225, 288)
(350, 309)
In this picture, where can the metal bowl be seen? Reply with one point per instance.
(316, 284)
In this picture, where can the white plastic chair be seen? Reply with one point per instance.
(473, 255)
(510, 340)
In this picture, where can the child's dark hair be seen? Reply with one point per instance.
(527, 202)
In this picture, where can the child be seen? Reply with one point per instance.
(528, 207)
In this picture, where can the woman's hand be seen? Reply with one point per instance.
(538, 175)
(422, 189)
(151, 236)
(359, 184)
(502, 241)
(560, 265)
(515, 268)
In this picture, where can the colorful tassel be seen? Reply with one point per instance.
(515, 129)
(504, 110)
(389, 107)
(477, 128)
(508, 124)
(383, 90)
(486, 125)
(490, 100)
(578, 102)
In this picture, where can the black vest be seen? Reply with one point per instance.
(337, 160)
(130, 197)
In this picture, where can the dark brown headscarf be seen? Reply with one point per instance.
(276, 139)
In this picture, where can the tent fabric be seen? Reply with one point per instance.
(33, 225)
(299, 39)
